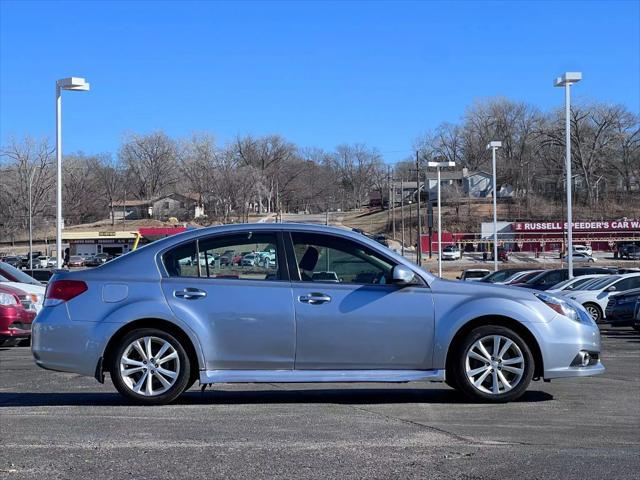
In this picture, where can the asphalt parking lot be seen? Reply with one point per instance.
(62, 426)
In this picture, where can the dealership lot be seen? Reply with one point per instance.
(55, 425)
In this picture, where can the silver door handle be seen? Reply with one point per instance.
(190, 293)
(314, 298)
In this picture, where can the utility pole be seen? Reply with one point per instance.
(389, 195)
(419, 230)
(392, 196)
(402, 214)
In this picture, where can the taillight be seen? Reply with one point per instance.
(62, 291)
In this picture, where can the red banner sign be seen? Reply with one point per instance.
(595, 226)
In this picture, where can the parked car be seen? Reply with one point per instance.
(586, 249)
(25, 263)
(52, 262)
(548, 278)
(76, 261)
(629, 251)
(165, 331)
(451, 252)
(97, 260)
(42, 275)
(227, 258)
(573, 283)
(12, 260)
(595, 295)
(249, 260)
(473, 274)
(621, 307)
(579, 258)
(13, 277)
(636, 320)
(16, 315)
(502, 276)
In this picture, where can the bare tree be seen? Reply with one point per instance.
(152, 163)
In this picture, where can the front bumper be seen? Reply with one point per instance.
(561, 340)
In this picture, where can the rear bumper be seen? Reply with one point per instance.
(63, 345)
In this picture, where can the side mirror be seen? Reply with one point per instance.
(402, 275)
(612, 288)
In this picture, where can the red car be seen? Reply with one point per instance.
(16, 315)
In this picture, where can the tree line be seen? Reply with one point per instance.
(271, 174)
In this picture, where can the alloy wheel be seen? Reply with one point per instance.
(149, 366)
(494, 364)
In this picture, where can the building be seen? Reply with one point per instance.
(182, 207)
(476, 184)
(86, 244)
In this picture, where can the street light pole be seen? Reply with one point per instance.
(402, 218)
(33, 171)
(439, 165)
(493, 146)
(566, 80)
(419, 229)
(71, 83)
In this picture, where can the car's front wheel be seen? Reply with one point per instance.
(150, 367)
(493, 364)
(595, 311)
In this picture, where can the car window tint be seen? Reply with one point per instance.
(247, 256)
(322, 258)
(627, 284)
(181, 261)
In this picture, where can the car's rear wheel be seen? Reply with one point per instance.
(150, 367)
(493, 364)
(595, 311)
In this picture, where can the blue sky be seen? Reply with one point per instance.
(320, 74)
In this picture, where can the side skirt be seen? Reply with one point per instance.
(313, 376)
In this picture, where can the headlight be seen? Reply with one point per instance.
(6, 299)
(563, 308)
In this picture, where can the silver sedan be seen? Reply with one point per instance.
(330, 306)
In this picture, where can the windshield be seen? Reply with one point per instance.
(601, 283)
(524, 277)
(581, 282)
(13, 274)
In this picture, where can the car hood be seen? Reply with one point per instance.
(476, 287)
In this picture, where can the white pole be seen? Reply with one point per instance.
(495, 214)
(567, 106)
(58, 177)
(439, 229)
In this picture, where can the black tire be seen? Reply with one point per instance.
(595, 311)
(182, 381)
(458, 365)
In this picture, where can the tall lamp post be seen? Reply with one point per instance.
(566, 80)
(71, 83)
(493, 146)
(438, 166)
(33, 171)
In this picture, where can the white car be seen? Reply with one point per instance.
(582, 249)
(52, 262)
(574, 283)
(579, 258)
(596, 293)
(20, 280)
(451, 252)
